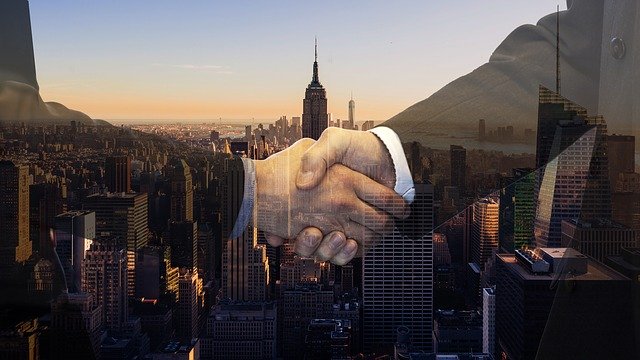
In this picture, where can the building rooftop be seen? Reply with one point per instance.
(176, 347)
(594, 271)
(243, 310)
(73, 213)
(599, 223)
(490, 290)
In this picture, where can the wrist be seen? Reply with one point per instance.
(403, 182)
(386, 173)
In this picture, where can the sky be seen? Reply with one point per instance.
(206, 59)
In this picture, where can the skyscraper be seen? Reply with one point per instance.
(187, 311)
(74, 233)
(46, 200)
(397, 283)
(314, 106)
(558, 304)
(484, 231)
(183, 242)
(118, 174)
(458, 156)
(245, 266)
(105, 278)
(572, 180)
(122, 216)
(352, 111)
(489, 320)
(482, 131)
(517, 210)
(15, 245)
(181, 192)
(622, 149)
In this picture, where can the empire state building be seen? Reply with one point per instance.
(314, 106)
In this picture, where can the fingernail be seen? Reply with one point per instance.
(305, 177)
(350, 248)
(310, 240)
(336, 241)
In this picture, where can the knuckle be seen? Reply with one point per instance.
(306, 142)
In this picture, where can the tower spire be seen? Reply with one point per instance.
(315, 80)
(558, 50)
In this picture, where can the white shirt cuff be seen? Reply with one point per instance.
(404, 182)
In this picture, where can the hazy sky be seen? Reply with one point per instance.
(205, 59)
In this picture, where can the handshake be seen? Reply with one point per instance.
(335, 196)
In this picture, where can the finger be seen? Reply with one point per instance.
(382, 197)
(307, 241)
(365, 237)
(274, 240)
(331, 245)
(320, 156)
(346, 254)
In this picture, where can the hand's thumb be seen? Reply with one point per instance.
(313, 166)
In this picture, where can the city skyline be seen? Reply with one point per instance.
(204, 240)
(184, 72)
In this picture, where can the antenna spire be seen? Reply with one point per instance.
(558, 50)
(315, 79)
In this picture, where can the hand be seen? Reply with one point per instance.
(344, 201)
(311, 243)
(360, 151)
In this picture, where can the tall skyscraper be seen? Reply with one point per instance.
(517, 210)
(489, 320)
(314, 106)
(458, 156)
(572, 180)
(482, 131)
(181, 192)
(622, 150)
(484, 236)
(122, 216)
(74, 233)
(555, 303)
(245, 266)
(183, 241)
(105, 278)
(46, 200)
(187, 311)
(118, 174)
(18, 63)
(15, 245)
(352, 111)
(397, 283)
